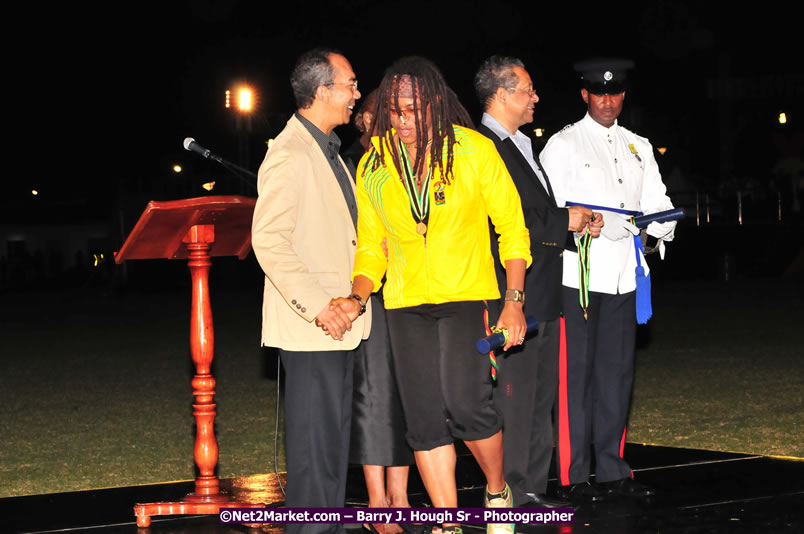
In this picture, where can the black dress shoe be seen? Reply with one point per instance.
(541, 500)
(580, 493)
(627, 487)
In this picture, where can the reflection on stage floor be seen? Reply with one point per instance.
(697, 491)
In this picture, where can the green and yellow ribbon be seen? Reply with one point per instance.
(584, 248)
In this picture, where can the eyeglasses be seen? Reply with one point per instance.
(531, 92)
(353, 84)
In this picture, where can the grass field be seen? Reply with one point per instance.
(723, 369)
(95, 386)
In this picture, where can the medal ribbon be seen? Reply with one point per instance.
(489, 330)
(419, 201)
(584, 246)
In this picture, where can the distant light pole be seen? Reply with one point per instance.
(243, 100)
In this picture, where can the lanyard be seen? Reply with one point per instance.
(584, 247)
(419, 200)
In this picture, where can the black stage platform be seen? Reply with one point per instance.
(697, 491)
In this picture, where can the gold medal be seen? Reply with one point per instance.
(421, 228)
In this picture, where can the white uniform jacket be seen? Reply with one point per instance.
(613, 167)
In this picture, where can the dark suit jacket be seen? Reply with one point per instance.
(549, 236)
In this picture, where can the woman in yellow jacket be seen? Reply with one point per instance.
(425, 192)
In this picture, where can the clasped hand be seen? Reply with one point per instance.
(336, 318)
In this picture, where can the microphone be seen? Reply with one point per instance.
(192, 146)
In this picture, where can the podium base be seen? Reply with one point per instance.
(193, 504)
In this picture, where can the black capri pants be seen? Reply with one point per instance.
(444, 382)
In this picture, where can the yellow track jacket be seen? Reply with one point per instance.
(454, 262)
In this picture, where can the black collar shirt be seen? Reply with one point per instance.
(330, 145)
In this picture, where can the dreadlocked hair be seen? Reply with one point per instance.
(429, 89)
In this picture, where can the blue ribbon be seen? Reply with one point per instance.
(644, 311)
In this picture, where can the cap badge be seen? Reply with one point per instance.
(608, 76)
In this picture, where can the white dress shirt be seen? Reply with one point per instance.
(521, 141)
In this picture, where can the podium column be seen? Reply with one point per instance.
(207, 497)
(202, 347)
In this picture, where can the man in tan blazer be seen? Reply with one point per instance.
(304, 236)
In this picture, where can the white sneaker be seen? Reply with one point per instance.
(504, 499)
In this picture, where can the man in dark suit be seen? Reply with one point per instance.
(528, 377)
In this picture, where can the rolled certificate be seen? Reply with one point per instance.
(497, 340)
(661, 216)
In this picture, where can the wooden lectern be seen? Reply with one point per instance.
(195, 229)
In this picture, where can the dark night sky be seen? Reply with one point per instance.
(117, 88)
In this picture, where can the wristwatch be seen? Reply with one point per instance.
(515, 295)
(359, 301)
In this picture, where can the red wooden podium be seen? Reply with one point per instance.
(195, 229)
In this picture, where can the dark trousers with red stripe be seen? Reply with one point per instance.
(595, 380)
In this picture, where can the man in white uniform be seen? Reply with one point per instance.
(599, 164)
